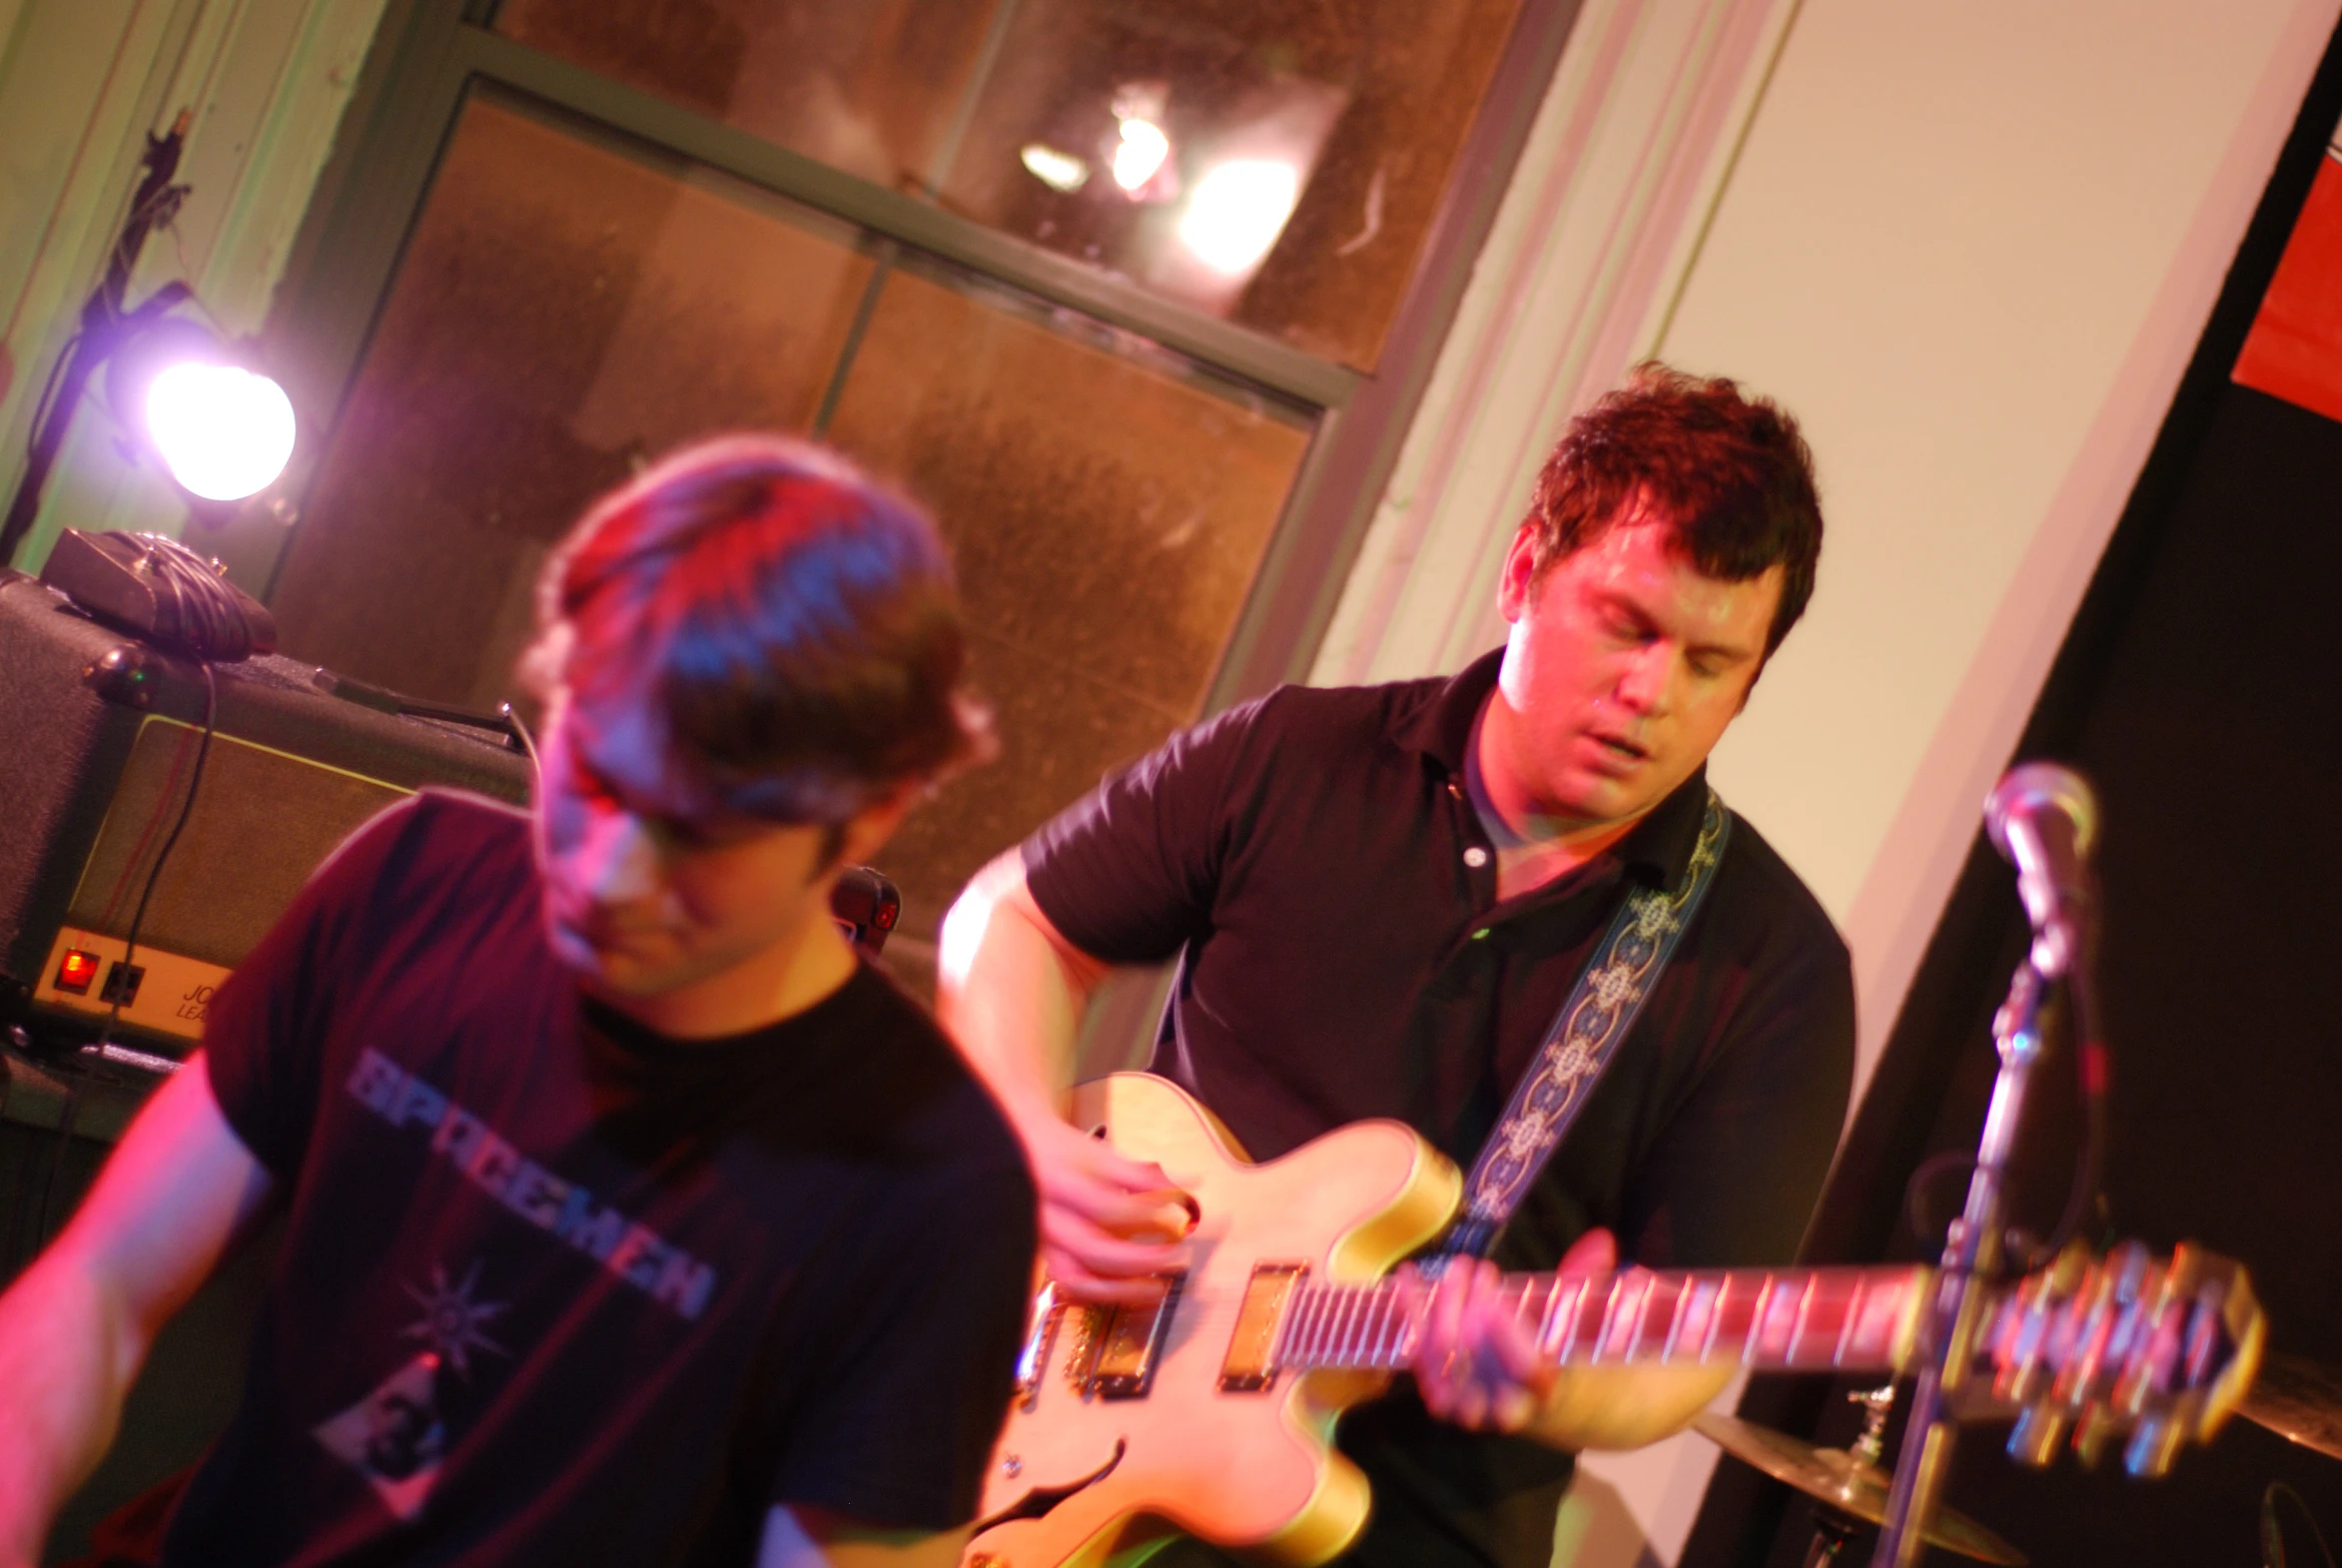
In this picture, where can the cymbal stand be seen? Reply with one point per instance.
(1834, 1527)
(1972, 1257)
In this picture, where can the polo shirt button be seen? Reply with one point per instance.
(1475, 857)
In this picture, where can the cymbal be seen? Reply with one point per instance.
(2297, 1398)
(1837, 1478)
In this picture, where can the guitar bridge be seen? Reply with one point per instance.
(1129, 1342)
(1250, 1364)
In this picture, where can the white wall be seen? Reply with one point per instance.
(1972, 243)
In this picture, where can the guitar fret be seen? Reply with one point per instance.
(1648, 1286)
(1765, 1334)
(1293, 1341)
(1554, 1339)
(1389, 1327)
(1853, 1316)
(1580, 1349)
(1609, 1316)
(1543, 1339)
(1805, 1308)
(1686, 1304)
(1756, 1328)
(1674, 1288)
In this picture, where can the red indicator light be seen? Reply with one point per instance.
(77, 970)
(884, 916)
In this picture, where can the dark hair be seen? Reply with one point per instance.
(1728, 475)
(793, 626)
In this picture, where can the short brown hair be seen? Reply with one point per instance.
(793, 626)
(1728, 473)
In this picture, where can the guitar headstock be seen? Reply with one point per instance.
(2159, 1350)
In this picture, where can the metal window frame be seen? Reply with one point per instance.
(429, 54)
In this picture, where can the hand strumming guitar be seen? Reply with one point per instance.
(1110, 1227)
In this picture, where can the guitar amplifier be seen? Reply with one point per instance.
(102, 732)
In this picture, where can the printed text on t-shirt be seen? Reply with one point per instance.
(570, 1214)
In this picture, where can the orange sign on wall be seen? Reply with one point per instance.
(2295, 348)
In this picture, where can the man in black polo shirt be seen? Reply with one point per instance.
(1384, 894)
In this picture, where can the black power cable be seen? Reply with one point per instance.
(208, 616)
(2091, 1061)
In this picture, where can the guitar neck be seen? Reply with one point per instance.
(1804, 1319)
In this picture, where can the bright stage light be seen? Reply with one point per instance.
(1143, 149)
(225, 431)
(1237, 210)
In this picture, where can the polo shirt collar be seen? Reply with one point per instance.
(1658, 850)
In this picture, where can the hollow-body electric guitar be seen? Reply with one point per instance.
(1213, 1413)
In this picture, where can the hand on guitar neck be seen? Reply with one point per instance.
(1477, 1364)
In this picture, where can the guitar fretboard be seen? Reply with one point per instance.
(1807, 1319)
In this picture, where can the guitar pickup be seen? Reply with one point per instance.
(1129, 1344)
(1250, 1364)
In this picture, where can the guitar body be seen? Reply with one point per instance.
(1252, 1470)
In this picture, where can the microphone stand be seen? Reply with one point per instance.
(1972, 1257)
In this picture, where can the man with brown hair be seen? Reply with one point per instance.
(1381, 898)
(631, 1218)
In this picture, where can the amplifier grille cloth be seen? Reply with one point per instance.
(261, 822)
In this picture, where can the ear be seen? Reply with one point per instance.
(1514, 583)
(868, 829)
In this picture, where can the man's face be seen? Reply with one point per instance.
(643, 899)
(1624, 666)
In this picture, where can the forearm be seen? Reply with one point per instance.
(67, 1360)
(76, 1327)
(1012, 990)
(1624, 1406)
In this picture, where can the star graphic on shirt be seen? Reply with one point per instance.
(451, 1319)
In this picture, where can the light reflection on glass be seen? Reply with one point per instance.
(1236, 212)
(1143, 150)
(1059, 170)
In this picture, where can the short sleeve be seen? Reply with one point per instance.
(1128, 872)
(1733, 1180)
(265, 1031)
(897, 1428)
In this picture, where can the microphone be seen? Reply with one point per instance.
(2043, 819)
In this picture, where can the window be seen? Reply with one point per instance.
(959, 242)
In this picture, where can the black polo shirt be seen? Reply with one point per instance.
(1315, 856)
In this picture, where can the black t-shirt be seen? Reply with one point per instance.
(1316, 858)
(555, 1289)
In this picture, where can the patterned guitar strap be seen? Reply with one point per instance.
(1603, 1007)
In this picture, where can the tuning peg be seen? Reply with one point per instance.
(2153, 1446)
(2033, 1440)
